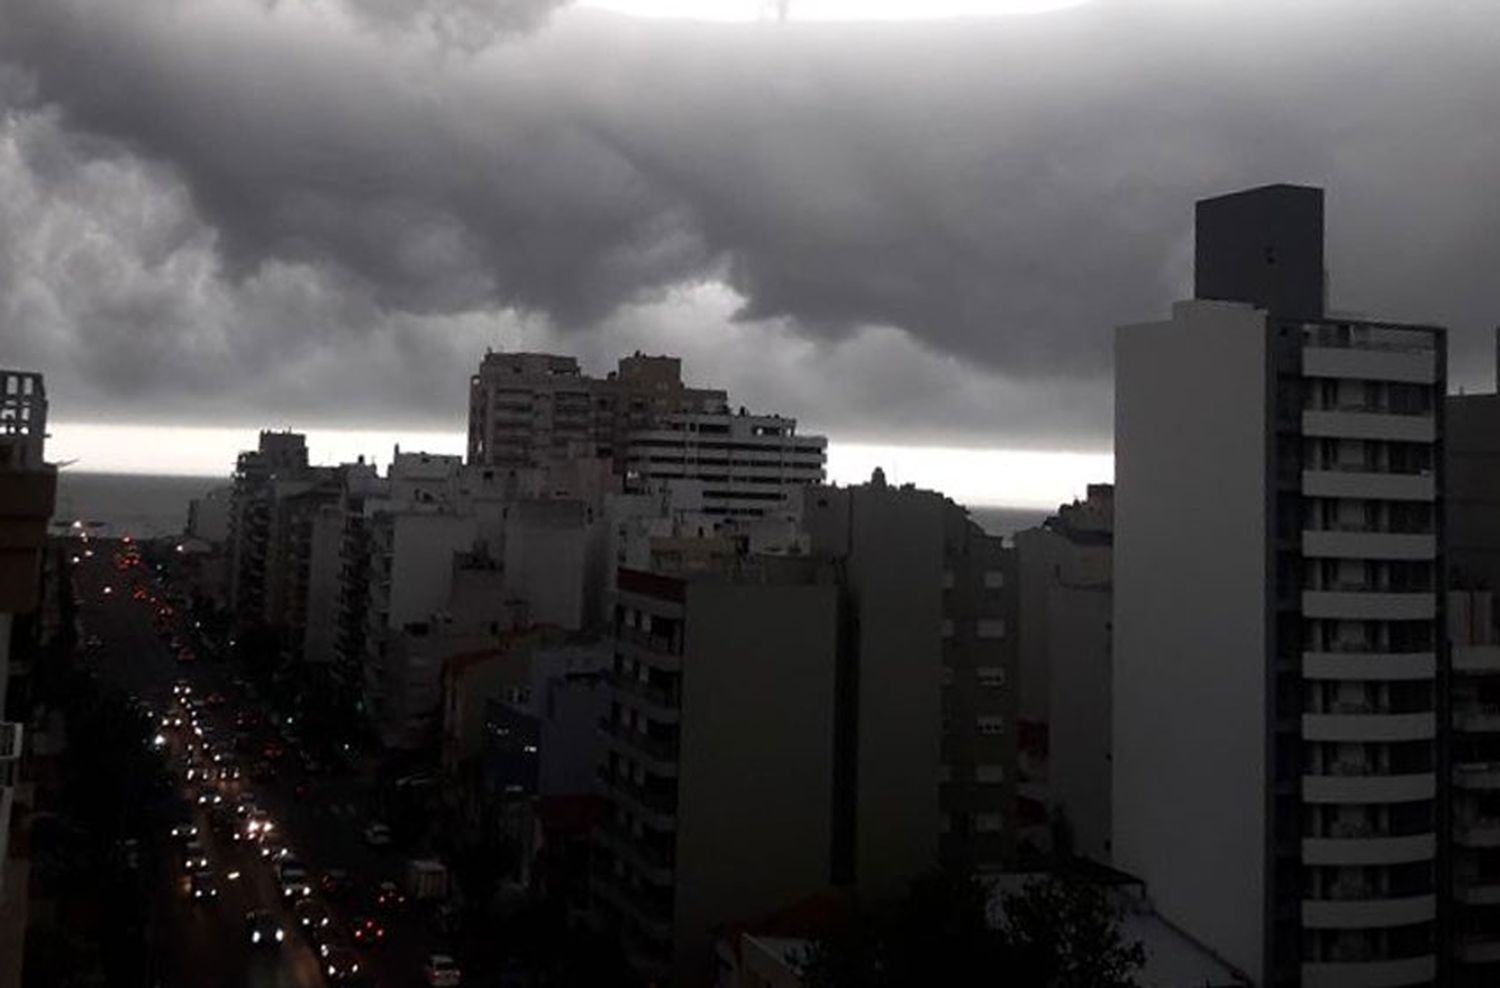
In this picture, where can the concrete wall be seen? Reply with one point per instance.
(1190, 652)
(422, 563)
(1472, 489)
(754, 801)
(551, 560)
(324, 571)
(1079, 759)
(569, 697)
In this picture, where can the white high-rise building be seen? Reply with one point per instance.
(1276, 739)
(725, 465)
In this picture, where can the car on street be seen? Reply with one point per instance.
(367, 930)
(312, 915)
(263, 928)
(183, 826)
(194, 857)
(203, 885)
(340, 965)
(335, 883)
(388, 895)
(378, 834)
(208, 796)
(442, 971)
(291, 878)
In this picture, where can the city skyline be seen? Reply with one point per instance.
(876, 237)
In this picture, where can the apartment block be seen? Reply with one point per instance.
(1066, 609)
(28, 491)
(928, 682)
(1278, 776)
(720, 756)
(1471, 498)
(279, 455)
(531, 409)
(721, 465)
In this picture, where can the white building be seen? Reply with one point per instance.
(723, 465)
(1275, 737)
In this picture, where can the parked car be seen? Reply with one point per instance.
(378, 834)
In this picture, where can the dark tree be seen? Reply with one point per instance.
(1056, 933)
(1066, 934)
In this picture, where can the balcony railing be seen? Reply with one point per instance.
(1387, 338)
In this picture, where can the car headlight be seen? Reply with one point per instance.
(255, 936)
(279, 935)
(330, 970)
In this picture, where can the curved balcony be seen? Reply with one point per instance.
(1368, 545)
(1369, 605)
(1370, 974)
(1388, 666)
(1364, 914)
(655, 702)
(1376, 727)
(1346, 789)
(1368, 850)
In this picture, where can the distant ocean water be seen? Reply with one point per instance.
(147, 505)
(1008, 521)
(141, 505)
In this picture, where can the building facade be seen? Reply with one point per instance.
(532, 409)
(1279, 773)
(720, 757)
(28, 492)
(1066, 609)
(724, 465)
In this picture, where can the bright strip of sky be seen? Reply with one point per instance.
(978, 478)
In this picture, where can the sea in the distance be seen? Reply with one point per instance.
(149, 505)
(138, 505)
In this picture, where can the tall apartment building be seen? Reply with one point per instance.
(1471, 498)
(279, 455)
(720, 759)
(1066, 613)
(930, 663)
(718, 464)
(860, 694)
(1279, 780)
(528, 409)
(1475, 809)
(28, 490)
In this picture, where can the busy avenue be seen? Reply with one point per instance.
(278, 873)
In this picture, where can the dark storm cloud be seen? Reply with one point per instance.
(353, 194)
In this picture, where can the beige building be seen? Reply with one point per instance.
(530, 409)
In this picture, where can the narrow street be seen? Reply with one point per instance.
(206, 943)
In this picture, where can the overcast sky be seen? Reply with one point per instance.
(320, 212)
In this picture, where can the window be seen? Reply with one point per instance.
(988, 823)
(994, 579)
(992, 676)
(991, 724)
(947, 675)
(947, 627)
(947, 579)
(989, 773)
(991, 628)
